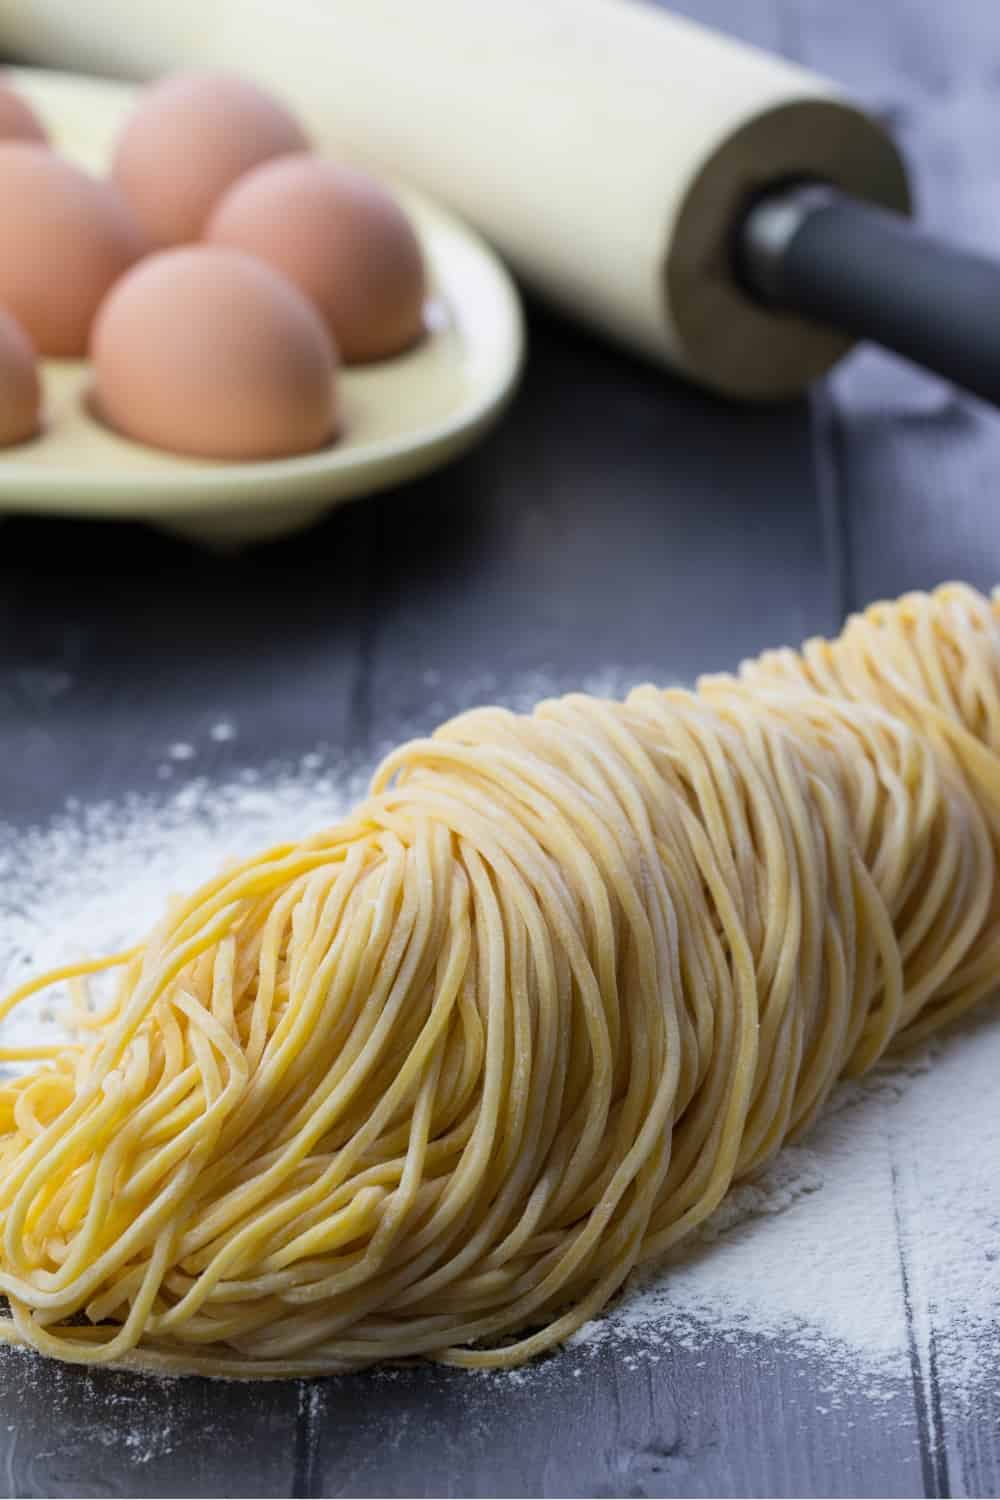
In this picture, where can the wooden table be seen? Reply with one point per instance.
(615, 517)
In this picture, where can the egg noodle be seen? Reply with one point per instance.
(432, 1082)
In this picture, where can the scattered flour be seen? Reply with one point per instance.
(890, 1206)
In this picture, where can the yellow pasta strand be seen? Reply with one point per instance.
(434, 1081)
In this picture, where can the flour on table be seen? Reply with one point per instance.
(891, 1203)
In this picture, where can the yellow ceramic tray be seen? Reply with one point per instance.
(402, 416)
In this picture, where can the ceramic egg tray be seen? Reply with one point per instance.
(401, 416)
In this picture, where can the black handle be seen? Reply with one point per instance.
(812, 250)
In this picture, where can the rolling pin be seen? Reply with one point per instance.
(719, 209)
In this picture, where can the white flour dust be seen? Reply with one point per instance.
(890, 1207)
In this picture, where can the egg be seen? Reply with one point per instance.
(18, 121)
(205, 351)
(190, 137)
(65, 237)
(20, 390)
(342, 238)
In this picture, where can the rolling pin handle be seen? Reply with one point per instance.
(807, 248)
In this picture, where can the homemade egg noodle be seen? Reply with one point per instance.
(433, 1081)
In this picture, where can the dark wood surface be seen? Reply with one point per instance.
(615, 517)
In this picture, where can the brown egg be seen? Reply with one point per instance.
(189, 138)
(341, 238)
(20, 390)
(206, 351)
(65, 238)
(18, 121)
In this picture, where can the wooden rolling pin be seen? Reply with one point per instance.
(722, 210)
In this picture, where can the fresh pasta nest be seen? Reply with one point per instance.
(434, 1081)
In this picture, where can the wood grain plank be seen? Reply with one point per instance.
(599, 1428)
(75, 1432)
(116, 642)
(618, 519)
(738, 1417)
